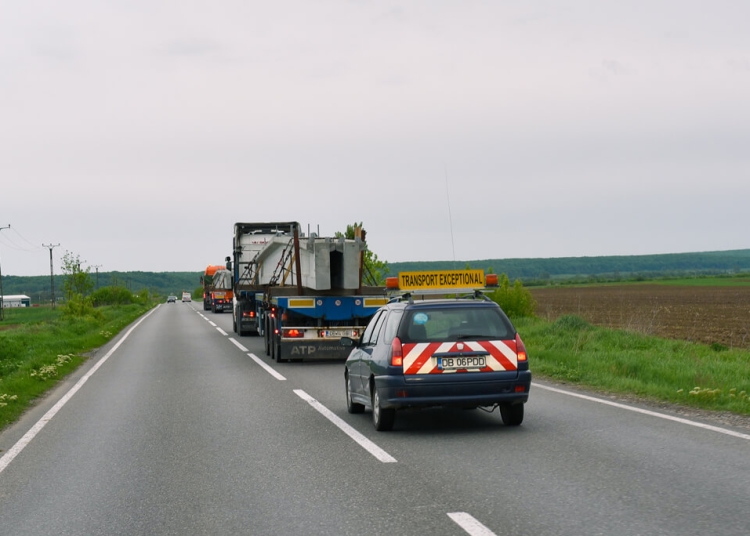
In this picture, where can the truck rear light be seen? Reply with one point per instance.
(520, 349)
(397, 353)
(294, 333)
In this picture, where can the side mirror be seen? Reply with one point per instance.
(228, 260)
(347, 342)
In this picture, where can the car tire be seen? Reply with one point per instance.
(351, 407)
(512, 414)
(382, 418)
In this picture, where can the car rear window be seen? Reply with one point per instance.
(455, 323)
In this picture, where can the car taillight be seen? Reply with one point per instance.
(520, 348)
(397, 353)
(293, 333)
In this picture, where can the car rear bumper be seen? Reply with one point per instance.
(472, 389)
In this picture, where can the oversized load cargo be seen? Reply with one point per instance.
(301, 293)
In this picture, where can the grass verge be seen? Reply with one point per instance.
(572, 350)
(39, 347)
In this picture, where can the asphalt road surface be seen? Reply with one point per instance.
(181, 427)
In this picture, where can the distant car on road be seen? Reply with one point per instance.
(171, 299)
(186, 297)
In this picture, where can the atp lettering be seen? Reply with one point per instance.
(303, 350)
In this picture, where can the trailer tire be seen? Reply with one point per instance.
(266, 336)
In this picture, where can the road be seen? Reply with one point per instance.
(184, 428)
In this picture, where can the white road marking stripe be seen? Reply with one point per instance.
(647, 412)
(222, 331)
(238, 345)
(266, 367)
(16, 449)
(365, 443)
(214, 325)
(470, 524)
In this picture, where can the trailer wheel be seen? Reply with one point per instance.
(266, 335)
(276, 345)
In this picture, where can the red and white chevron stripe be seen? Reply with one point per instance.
(418, 356)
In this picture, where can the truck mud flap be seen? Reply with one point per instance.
(311, 350)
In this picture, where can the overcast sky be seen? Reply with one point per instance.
(135, 133)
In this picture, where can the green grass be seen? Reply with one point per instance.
(616, 361)
(39, 347)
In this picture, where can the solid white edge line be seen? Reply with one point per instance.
(365, 443)
(647, 412)
(16, 449)
(222, 331)
(470, 524)
(266, 367)
(238, 345)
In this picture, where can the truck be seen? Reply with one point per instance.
(217, 288)
(300, 293)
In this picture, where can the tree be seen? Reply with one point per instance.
(78, 284)
(374, 270)
(77, 280)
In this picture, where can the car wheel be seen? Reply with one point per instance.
(512, 414)
(351, 407)
(382, 418)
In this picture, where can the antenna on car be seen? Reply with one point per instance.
(450, 217)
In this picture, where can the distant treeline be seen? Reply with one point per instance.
(548, 270)
(530, 271)
(38, 288)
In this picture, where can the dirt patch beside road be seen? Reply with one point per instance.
(707, 315)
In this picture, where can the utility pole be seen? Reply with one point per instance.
(97, 266)
(51, 272)
(2, 307)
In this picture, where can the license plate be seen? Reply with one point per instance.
(338, 333)
(456, 363)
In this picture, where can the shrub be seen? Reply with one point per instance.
(112, 296)
(516, 301)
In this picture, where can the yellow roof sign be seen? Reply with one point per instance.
(441, 279)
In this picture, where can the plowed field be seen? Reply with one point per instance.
(699, 314)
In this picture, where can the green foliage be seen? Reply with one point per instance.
(516, 301)
(616, 361)
(112, 296)
(78, 281)
(79, 306)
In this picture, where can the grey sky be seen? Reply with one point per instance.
(136, 133)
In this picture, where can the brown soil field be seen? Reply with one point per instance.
(699, 314)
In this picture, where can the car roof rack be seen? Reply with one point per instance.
(458, 294)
